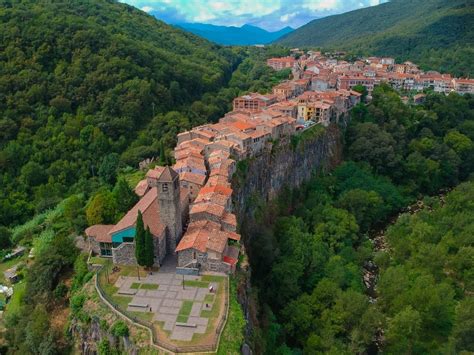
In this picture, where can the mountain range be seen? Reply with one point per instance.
(231, 35)
(438, 34)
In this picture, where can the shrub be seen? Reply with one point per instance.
(120, 329)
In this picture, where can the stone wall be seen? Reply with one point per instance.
(160, 249)
(124, 254)
(186, 258)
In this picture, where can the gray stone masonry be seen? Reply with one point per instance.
(124, 254)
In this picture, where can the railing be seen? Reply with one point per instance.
(211, 348)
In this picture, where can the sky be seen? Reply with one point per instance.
(271, 15)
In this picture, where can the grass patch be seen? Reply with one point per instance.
(185, 311)
(209, 299)
(135, 285)
(122, 301)
(15, 302)
(182, 319)
(147, 316)
(196, 283)
(149, 286)
(206, 313)
(97, 260)
(186, 308)
(212, 278)
(233, 334)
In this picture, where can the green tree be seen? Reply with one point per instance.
(120, 329)
(108, 168)
(102, 208)
(403, 332)
(366, 206)
(33, 174)
(140, 246)
(362, 90)
(149, 249)
(463, 330)
(126, 198)
(5, 238)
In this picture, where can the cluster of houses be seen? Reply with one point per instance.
(326, 73)
(188, 206)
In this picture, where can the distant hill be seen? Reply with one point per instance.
(230, 35)
(438, 34)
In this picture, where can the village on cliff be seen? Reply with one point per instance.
(188, 206)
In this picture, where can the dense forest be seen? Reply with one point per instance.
(91, 86)
(308, 249)
(436, 34)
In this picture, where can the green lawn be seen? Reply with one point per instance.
(212, 278)
(146, 286)
(182, 319)
(135, 285)
(18, 290)
(148, 316)
(97, 260)
(122, 301)
(185, 311)
(209, 299)
(193, 283)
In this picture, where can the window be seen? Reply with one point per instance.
(106, 249)
(128, 239)
(164, 188)
(194, 255)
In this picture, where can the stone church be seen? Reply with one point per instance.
(164, 207)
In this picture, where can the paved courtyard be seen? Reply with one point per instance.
(179, 308)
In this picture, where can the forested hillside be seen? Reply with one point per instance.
(78, 81)
(308, 249)
(437, 34)
(87, 93)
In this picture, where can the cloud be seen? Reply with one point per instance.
(286, 17)
(269, 14)
(147, 8)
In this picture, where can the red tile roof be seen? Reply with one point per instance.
(149, 207)
(141, 187)
(100, 232)
(197, 179)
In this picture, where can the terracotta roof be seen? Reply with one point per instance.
(147, 203)
(197, 179)
(224, 190)
(168, 175)
(221, 200)
(203, 236)
(210, 208)
(141, 187)
(218, 180)
(100, 232)
(156, 172)
(230, 219)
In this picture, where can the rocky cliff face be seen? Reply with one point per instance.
(287, 165)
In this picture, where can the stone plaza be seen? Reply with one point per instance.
(181, 304)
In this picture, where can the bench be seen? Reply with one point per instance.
(125, 292)
(140, 305)
(189, 325)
